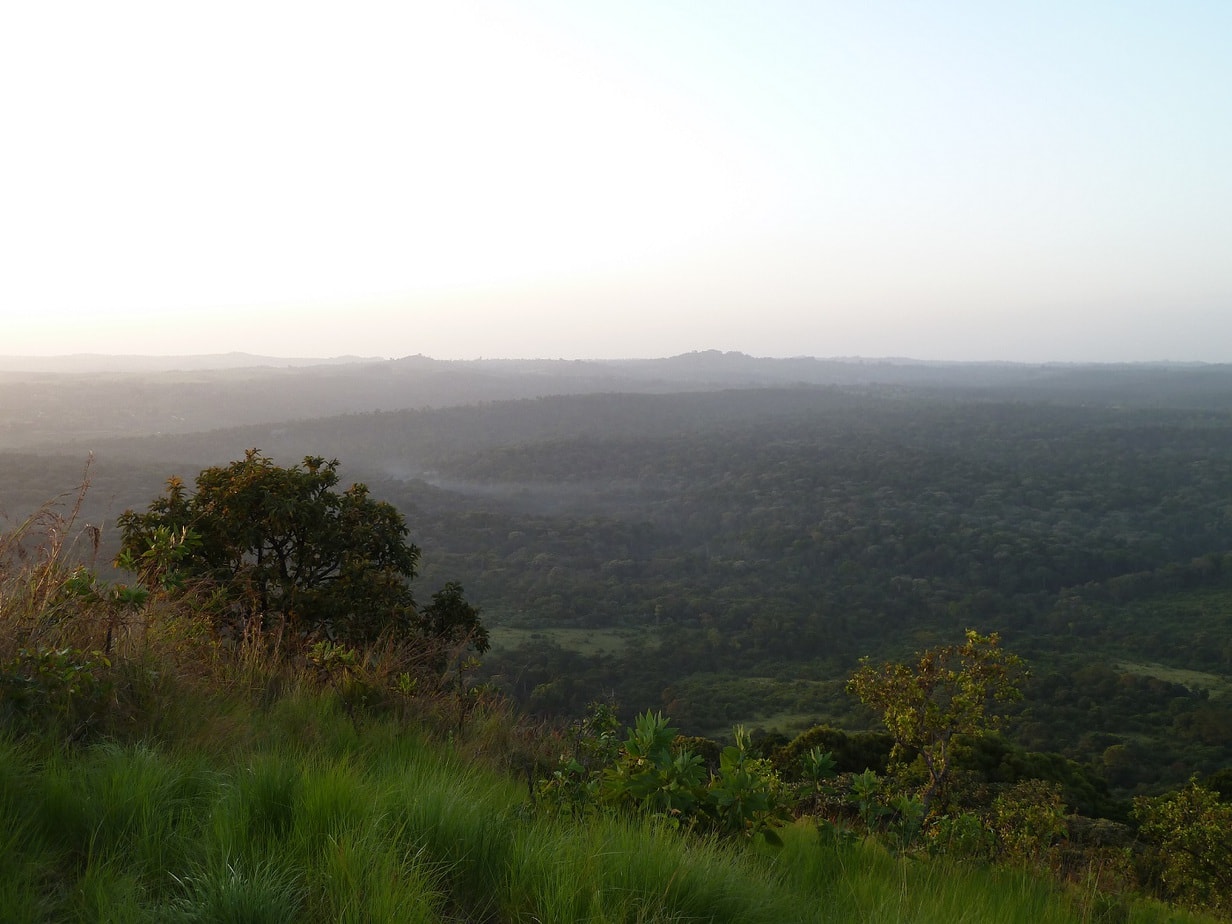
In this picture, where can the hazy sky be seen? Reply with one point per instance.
(945, 180)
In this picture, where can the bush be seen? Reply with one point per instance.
(1028, 819)
(1191, 835)
(853, 752)
(650, 773)
(64, 687)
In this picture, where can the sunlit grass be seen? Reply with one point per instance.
(862, 881)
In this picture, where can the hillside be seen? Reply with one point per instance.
(729, 554)
(80, 400)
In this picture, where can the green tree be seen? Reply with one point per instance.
(949, 692)
(1191, 831)
(283, 546)
(452, 621)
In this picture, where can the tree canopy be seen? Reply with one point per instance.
(281, 544)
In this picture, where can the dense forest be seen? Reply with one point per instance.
(728, 554)
(780, 548)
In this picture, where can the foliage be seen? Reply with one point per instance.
(759, 541)
(450, 621)
(284, 547)
(338, 666)
(649, 773)
(1028, 819)
(294, 816)
(991, 760)
(746, 796)
(1191, 833)
(574, 784)
(778, 549)
(1220, 782)
(322, 820)
(764, 541)
(65, 687)
(853, 752)
(816, 772)
(866, 795)
(963, 835)
(949, 692)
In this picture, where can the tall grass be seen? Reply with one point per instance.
(36, 557)
(626, 870)
(390, 827)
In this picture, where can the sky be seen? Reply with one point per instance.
(1024, 181)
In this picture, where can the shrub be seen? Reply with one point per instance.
(1191, 835)
(649, 773)
(65, 687)
(1028, 819)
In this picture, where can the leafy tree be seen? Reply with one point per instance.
(281, 545)
(1220, 783)
(949, 692)
(452, 620)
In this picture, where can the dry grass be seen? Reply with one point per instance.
(37, 557)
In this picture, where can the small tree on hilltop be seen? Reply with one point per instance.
(949, 692)
(280, 544)
(453, 623)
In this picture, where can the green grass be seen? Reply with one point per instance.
(1218, 687)
(787, 723)
(864, 882)
(308, 819)
(584, 641)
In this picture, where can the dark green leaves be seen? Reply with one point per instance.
(283, 546)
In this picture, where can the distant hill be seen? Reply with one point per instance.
(77, 401)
